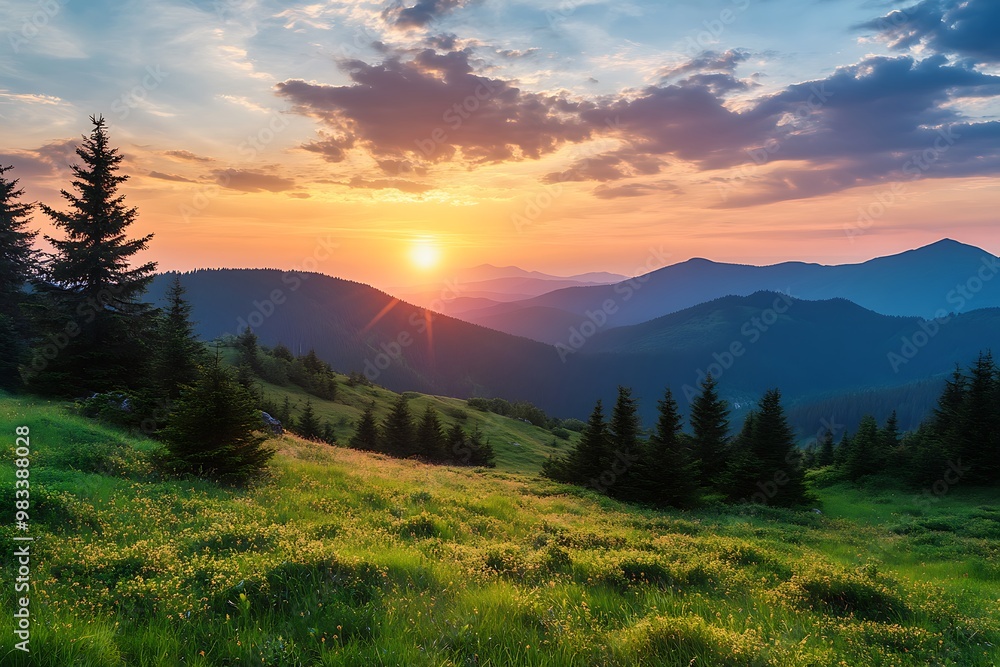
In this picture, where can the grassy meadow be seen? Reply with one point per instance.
(348, 558)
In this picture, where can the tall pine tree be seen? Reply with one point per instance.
(179, 351)
(782, 479)
(17, 265)
(94, 318)
(665, 474)
(591, 457)
(366, 436)
(710, 429)
(308, 425)
(624, 434)
(398, 437)
(977, 435)
(430, 437)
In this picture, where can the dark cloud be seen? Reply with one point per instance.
(52, 159)
(433, 108)
(397, 167)
(422, 13)
(864, 123)
(966, 28)
(170, 177)
(446, 42)
(252, 181)
(299, 195)
(867, 123)
(707, 61)
(333, 149)
(607, 167)
(688, 119)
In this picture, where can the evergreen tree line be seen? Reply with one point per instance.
(673, 468)
(402, 436)
(279, 366)
(959, 441)
(522, 410)
(73, 324)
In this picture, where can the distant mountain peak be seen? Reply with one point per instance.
(948, 244)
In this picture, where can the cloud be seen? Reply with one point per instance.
(630, 190)
(966, 28)
(52, 159)
(865, 123)
(299, 195)
(422, 13)
(187, 156)
(611, 166)
(389, 184)
(688, 119)
(252, 181)
(170, 177)
(707, 61)
(434, 108)
(862, 124)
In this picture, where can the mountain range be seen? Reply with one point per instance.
(816, 351)
(946, 276)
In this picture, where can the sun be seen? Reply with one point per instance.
(425, 254)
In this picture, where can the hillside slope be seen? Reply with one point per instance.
(519, 446)
(348, 558)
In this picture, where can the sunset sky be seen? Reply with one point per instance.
(559, 135)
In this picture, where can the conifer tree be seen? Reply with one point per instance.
(455, 443)
(585, 464)
(366, 435)
(329, 434)
(285, 412)
(666, 474)
(247, 347)
(430, 437)
(625, 429)
(308, 425)
(710, 429)
(312, 362)
(744, 467)
(482, 453)
(92, 292)
(214, 430)
(398, 437)
(18, 261)
(947, 417)
(782, 476)
(863, 451)
(825, 455)
(178, 351)
(18, 258)
(977, 435)
(890, 433)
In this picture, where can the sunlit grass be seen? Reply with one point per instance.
(347, 558)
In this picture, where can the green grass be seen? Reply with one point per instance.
(347, 558)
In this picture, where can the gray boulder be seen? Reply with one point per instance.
(274, 425)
